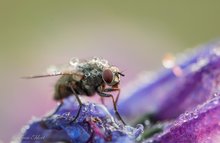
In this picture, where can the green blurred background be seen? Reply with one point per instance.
(133, 35)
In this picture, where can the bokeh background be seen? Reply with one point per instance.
(134, 35)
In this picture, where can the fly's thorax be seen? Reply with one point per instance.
(93, 77)
(77, 77)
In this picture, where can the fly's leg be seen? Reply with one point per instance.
(114, 104)
(79, 101)
(113, 89)
(102, 98)
(58, 108)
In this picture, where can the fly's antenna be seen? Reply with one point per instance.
(121, 74)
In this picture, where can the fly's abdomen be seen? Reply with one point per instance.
(62, 92)
(62, 89)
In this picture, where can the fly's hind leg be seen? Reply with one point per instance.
(79, 101)
(59, 106)
(57, 109)
(114, 104)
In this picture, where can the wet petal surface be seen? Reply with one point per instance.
(201, 125)
(198, 79)
(94, 124)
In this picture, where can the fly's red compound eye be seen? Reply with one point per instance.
(107, 76)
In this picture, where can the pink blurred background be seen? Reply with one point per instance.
(132, 35)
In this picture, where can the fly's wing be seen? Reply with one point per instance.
(69, 69)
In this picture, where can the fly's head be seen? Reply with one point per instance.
(111, 76)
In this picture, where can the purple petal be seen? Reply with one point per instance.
(201, 125)
(94, 124)
(167, 94)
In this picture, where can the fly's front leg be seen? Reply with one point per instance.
(102, 94)
(111, 90)
(101, 98)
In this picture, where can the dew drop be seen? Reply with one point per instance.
(87, 74)
(195, 115)
(168, 61)
(215, 102)
(216, 94)
(84, 108)
(92, 108)
(149, 141)
(95, 59)
(138, 130)
(147, 123)
(129, 129)
(95, 72)
(74, 61)
(217, 51)
(183, 118)
(52, 70)
(104, 62)
(177, 71)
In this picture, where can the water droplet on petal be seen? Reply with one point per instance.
(168, 61)
(138, 130)
(147, 123)
(216, 51)
(195, 115)
(84, 108)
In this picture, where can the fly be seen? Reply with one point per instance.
(86, 77)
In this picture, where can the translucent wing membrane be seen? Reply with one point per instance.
(66, 69)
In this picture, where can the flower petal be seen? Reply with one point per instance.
(94, 124)
(168, 94)
(202, 125)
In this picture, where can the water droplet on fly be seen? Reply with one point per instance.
(95, 59)
(87, 74)
(104, 62)
(74, 61)
(52, 70)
